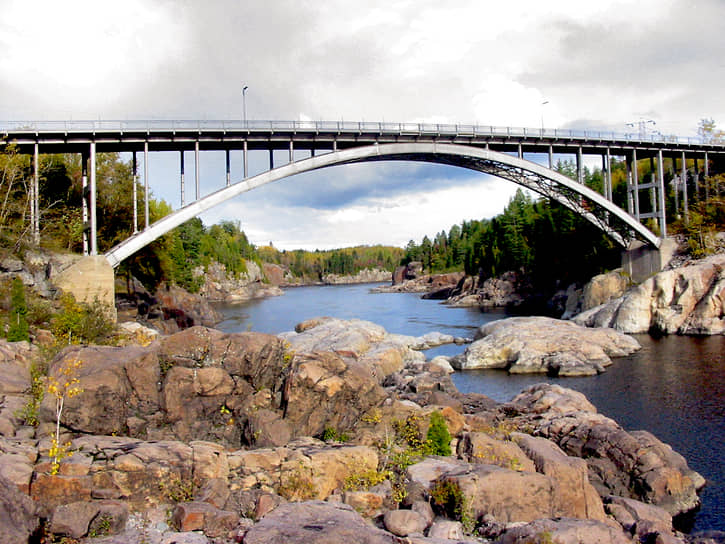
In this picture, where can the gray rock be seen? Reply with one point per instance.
(564, 531)
(18, 514)
(541, 344)
(404, 522)
(315, 522)
(450, 530)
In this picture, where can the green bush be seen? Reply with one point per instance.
(438, 437)
(18, 322)
(81, 323)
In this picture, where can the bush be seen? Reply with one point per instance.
(81, 323)
(18, 322)
(438, 437)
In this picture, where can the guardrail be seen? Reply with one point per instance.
(381, 128)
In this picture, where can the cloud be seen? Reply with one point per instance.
(598, 65)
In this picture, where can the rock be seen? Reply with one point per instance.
(686, 300)
(484, 449)
(638, 517)
(629, 464)
(564, 531)
(573, 496)
(50, 491)
(541, 344)
(325, 391)
(16, 359)
(442, 363)
(424, 509)
(404, 522)
(315, 522)
(507, 495)
(183, 309)
(366, 275)
(202, 516)
(367, 503)
(73, 519)
(19, 517)
(446, 529)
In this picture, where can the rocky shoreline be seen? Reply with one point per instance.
(320, 435)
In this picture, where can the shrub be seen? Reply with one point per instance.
(80, 322)
(439, 439)
(448, 499)
(18, 326)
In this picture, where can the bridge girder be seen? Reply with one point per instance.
(605, 215)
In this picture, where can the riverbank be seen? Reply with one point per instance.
(226, 443)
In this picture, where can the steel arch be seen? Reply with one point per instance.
(605, 215)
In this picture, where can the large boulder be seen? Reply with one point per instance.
(324, 391)
(686, 300)
(19, 516)
(315, 522)
(629, 464)
(541, 344)
(564, 531)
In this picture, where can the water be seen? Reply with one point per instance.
(674, 387)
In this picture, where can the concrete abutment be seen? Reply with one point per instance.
(89, 279)
(640, 260)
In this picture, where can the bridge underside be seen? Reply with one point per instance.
(605, 215)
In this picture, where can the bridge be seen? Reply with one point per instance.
(505, 152)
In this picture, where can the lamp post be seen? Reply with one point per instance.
(244, 103)
(544, 103)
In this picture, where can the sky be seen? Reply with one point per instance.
(562, 63)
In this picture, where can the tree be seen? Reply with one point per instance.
(438, 436)
(18, 326)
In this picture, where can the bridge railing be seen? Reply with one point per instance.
(367, 127)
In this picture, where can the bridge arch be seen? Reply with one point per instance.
(605, 215)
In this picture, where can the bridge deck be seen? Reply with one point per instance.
(74, 136)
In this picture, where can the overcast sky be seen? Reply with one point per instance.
(597, 64)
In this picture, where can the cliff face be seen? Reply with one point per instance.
(687, 300)
(220, 286)
(368, 275)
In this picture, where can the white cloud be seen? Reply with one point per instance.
(596, 63)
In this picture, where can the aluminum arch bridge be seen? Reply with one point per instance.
(605, 215)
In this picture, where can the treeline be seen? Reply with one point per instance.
(538, 237)
(313, 265)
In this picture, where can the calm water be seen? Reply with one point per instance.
(674, 387)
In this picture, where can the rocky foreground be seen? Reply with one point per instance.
(319, 436)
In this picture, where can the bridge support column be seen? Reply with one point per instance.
(551, 157)
(229, 169)
(291, 151)
(661, 189)
(579, 165)
(94, 238)
(146, 182)
(135, 195)
(196, 168)
(640, 261)
(181, 169)
(84, 196)
(245, 160)
(35, 197)
(683, 175)
(635, 181)
(271, 159)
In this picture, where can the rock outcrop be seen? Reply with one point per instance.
(215, 442)
(686, 300)
(541, 344)
(219, 285)
(628, 464)
(367, 275)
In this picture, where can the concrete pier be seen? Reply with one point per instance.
(641, 261)
(89, 279)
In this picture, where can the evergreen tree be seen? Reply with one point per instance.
(438, 436)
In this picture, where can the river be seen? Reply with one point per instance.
(674, 387)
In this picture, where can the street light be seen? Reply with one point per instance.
(544, 103)
(244, 103)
